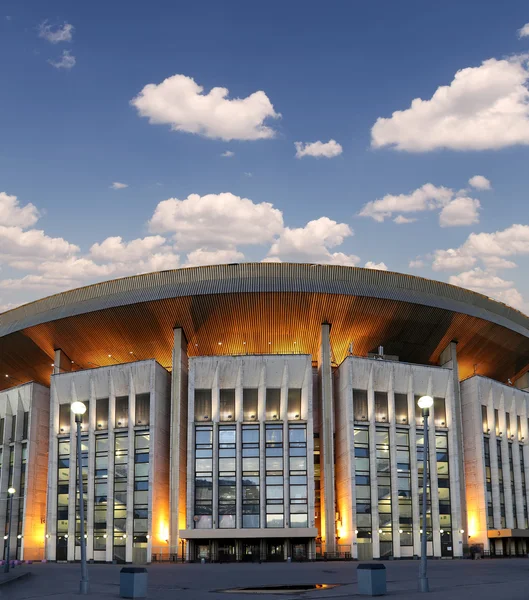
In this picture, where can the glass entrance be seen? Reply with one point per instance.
(250, 552)
(446, 544)
(274, 551)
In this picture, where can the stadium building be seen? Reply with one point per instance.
(264, 411)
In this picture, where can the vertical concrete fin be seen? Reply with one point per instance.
(327, 431)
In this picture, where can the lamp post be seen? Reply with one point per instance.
(78, 409)
(425, 402)
(11, 491)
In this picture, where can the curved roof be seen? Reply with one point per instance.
(262, 308)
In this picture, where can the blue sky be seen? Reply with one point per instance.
(75, 117)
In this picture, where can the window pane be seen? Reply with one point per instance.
(298, 520)
(226, 436)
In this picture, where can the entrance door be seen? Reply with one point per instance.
(274, 551)
(447, 548)
(250, 552)
(299, 552)
(61, 549)
(226, 552)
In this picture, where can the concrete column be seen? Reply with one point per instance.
(111, 467)
(306, 414)
(238, 461)
(393, 467)
(89, 507)
(4, 472)
(416, 501)
(448, 358)
(51, 495)
(517, 470)
(327, 439)
(129, 528)
(261, 406)
(178, 438)
(283, 413)
(61, 362)
(73, 483)
(432, 476)
(215, 412)
(190, 492)
(375, 536)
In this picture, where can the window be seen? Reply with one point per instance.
(249, 404)
(121, 460)
(362, 479)
(203, 518)
(250, 476)
(297, 435)
(273, 404)
(141, 485)
(360, 405)
(484, 419)
(64, 418)
(381, 407)
(401, 408)
(122, 411)
(227, 475)
(100, 489)
(143, 406)
(274, 493)
(384, 491)
(25, 425)
(227, 405)
(294, 404)
(439, 412)
(443, 481)
(102, 413)
(202, 405)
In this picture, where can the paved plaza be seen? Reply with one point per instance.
(495, 578)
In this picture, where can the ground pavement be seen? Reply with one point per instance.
(450, 580)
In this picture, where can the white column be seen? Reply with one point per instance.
(238, 461)
(416, 501)
(432, 473)
(261, 411)
(111, 468)
(130, 467)
(494, 464)
(283, 412)
(393, 467)
(375, 536)
(90, 420)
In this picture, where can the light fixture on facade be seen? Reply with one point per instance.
(105, 535)
(47, 536)
(356, 530)
(124, 536)
(19, 536)
(220, 343)
(52, 364)
(230, 417)
(461, 531)
(252, 417)
(380, 531)
(206, 417)
(401, 531)
(296, 416)
(147, 536)
(441, 530)
(274, 417)
(5, 537)
(66, 536)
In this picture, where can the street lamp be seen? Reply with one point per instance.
(79, 409)
(11, 491)
(424, 402)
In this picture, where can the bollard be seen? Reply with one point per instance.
(133, 582)
(203, 561)
(371, 579)
(289, 559)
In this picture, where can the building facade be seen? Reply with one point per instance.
(261, 412)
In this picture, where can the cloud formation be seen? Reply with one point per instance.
(490, 285)
(180, 102)
(228, 154)
(219, 220)
(56, 34)
(12, 214)
(479, 182)
(377, 266)
(524, 31)
(66, 61)
(116, 185)
(460, 211)
(312, 243)
(318, 149)
(483, 108)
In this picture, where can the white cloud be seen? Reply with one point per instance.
(180, 102)
(328, 149)
(491, 285)
(401, 220)
(377, 266)
(116, 185)
(484, 107)
(491, 248)
(479, 182)
(8, 306)
(32, 245)
(427, 197)
(524, 31)
(247, 174)
(67, 61)
(312, 242)
(228, 154)
(56, 34)
(416, 264)
(201, 256)
(460, 211)
(216, 220)
(114, 249)
(12, 214)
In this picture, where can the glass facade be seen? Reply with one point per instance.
(404, 487)
(121, 460)
(100, 491)
(384, 492)
(203, 517)
(363, 485)
(275, 512)
(250, 477)
(141, 490)
(227, 476)
(297, 448)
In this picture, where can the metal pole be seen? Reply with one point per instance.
(423, 577)
(84, 587)
(6, 566)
